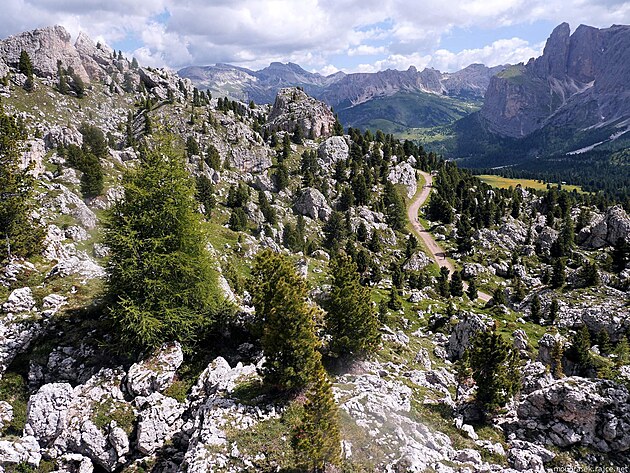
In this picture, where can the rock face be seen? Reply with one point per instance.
(293, 108)
(45, 47)
(463, 333)
(607, 229)
(577, 411)
(312, 203)
(404, 174)
(576, 74)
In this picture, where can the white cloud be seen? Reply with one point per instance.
(316, 34)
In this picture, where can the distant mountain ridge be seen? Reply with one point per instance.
(581, 80)
(413, 90)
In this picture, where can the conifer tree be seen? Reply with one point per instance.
(25, 66)
(603, 342)
(556, 359)
(285, 320)
(534, 309)
(442, 282)
(581, 348)
(457, 285)
(161, 284)
(19, 235)
(316, 440)
(472, 291)
(558, 276)
(394, 207)
(494, 365)
(351, 319)
(498, 296)
(554, 309)
(395, 301)
(622, 352)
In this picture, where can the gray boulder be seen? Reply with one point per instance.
(312, 203)
(606, 230)
(463, 333)
(158, 419)
(417, 262)
(294, 108)
(47, 411)
(22, 451)
(332, 150)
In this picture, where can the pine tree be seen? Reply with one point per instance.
(622, 352)
(620, 255)
(472, 291)
(19, 235)
(350, 319)
(394, 207)
(395, 301)
(334, 231)
(286, 321)
(161, 282)
(581, 348)
(603, 342)
(554, 309)
(534, 309)
(316, 439)
(238, 220)
(556, 359)
(457, 285)
(25, 66)
(494, 365)
(442, 281)
(498, 296)
(205, 194)
(558, 276)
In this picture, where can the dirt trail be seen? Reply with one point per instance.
(435, 251)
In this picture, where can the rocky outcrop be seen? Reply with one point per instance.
(405, 175)
(82, 420)
(312, 203)
(332, 150)
(155, 373)
(293, 108)
(577, 412)
(417, 262)
(45, 47)
(24, 451)
(606, 230)
(159, 418)
(463, 334)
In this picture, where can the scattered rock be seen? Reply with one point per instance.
(155, 373)
(312, 203)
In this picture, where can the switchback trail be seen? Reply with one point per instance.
(436, 252)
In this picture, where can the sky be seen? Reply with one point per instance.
(322, 36)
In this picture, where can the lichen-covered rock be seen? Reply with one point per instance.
(463, 333)
(47, 411)
(62, 136)
(312, 203)
(6, 413)
(417, 262)
(155, 373)
(19, 301)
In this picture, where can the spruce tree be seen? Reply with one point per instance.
(494, 365)
(19, 235)
(556, 359)
(534, 309)
(350, 319)
(286, 321)
(558, 275)
(457, 285)
(25, 66)
(622, 352)
(498, 296)
(554, 309)
(316, 439)
(161, 283)
(442, 282)
(581, 348)
(472, 291)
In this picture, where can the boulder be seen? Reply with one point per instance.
(155, 373)
(19, 452)
(19, 301)
(607, 229)
(47, 411)
(332, 150)
(463, 333)
(417, 262)
(313, 204)
(404, 174)
(6, 414)
(158, 419)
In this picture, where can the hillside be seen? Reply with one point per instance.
(196, 284)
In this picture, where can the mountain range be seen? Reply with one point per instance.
(391, 100)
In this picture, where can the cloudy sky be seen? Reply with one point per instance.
(321, 35)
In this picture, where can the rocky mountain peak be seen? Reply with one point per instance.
(294, 108)
(45, 47)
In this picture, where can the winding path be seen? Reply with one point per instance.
(435, 250)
